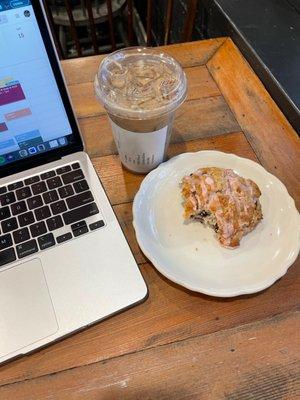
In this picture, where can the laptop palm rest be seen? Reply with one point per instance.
(26, 310)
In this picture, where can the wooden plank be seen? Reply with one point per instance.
(200, 85)
(203, 118)
(257, 361)
(191, 54)
(81, 70)
(252, 362)
(84, 100)
(170, 314)
(270, 134)
(122, 185)
(194, 119)
(124, 215)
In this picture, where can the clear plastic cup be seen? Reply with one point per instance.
(140, 90)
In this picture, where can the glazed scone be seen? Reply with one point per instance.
(223, 200)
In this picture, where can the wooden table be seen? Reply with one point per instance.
(179, 344)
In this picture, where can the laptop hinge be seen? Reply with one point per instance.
(20, 167)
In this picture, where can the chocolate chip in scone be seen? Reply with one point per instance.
(198, 218)
(204, 213)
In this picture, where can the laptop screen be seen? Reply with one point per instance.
(33, 119)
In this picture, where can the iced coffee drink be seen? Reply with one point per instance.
(140, 90)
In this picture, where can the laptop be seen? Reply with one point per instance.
(64, 261)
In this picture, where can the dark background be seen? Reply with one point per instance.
(267, 32)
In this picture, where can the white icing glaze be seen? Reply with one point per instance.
(236, 199)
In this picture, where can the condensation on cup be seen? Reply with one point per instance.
(140, 90)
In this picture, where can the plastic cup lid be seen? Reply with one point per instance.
(140, 82)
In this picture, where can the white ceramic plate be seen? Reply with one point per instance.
(189, 254)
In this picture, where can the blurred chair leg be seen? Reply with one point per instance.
(62, 38)
(203, 20)
(149, 21)
(169, 18)
(188, 27)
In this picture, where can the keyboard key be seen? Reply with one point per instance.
(46, 241)
(79, 228)
(7, 198)
(47, 175)
(34, 202)
(3, 189)
(54, 223)
(65, 191)
(9, 225)
(21, 235)
(38, 229)
(39, 187)
(5, 241)
(59, 207)
(7, 256)
(81, 186)
(26, 219)
(31, 180)
(27, 248)
(51, 196)
(96, 225)
(78, 225)
(18, 208)
(42, 213)
(72, 176)
(4, 213)
(64, 238)
(80, 213)
(80, 199)
(23, 193)
(63, 170)
(16, 185)
(76, 165)
(54, 182)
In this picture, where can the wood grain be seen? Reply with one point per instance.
(179, 344)
(131, 183)
(273, 139)
(171, 313)
(200, 85)
(124, 215)
(195, 119)
(121, 185)
(256, 361)
(81, 70)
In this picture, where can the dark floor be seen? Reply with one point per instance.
(268, 34)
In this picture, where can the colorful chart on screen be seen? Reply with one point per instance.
(32, 115)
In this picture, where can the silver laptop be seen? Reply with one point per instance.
(64, 261)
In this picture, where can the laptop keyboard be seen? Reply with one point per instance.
(45, 210)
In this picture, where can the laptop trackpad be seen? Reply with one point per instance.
(26, 310)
